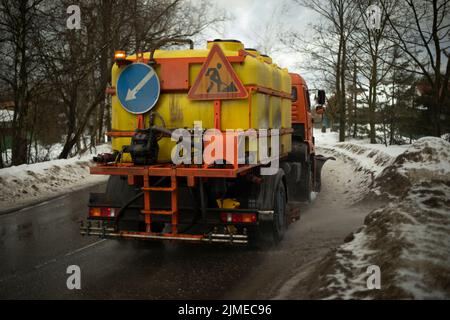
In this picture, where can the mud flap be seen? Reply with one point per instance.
(320, 161)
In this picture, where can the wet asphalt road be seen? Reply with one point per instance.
(37, 245)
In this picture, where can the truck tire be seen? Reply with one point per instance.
(274, 197)
(279, 224)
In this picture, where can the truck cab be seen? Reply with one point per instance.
(303, 153)
(302, 121)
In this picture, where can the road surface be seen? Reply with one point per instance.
(37, 245)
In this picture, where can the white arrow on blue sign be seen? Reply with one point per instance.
(138, 88)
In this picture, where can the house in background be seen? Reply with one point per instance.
(6, 120)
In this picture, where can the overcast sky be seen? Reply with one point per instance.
(260, 23)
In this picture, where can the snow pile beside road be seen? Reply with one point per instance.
(39, 153)
(370, 158)
(25, 184)
(409, 238)
(428, 159)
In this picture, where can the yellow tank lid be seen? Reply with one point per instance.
(226, 44)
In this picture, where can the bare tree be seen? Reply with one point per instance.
(373, 58)
(341, 18)
(266, 35)
(424, 35)
(78, 62)
(18, 22)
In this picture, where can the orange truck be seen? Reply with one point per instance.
(209, 145)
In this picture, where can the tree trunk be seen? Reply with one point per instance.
(338, 86)
(373, 98)
(19, 136)
(343, 113)
(72, 141)
(355, 100)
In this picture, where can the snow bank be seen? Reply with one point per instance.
(38, 153)
(408, 238)
(371, 158)
(427, 159)
(21, 185)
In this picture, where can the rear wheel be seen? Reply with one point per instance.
(272, 230)
(279, 219)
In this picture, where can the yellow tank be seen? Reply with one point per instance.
(267, 108)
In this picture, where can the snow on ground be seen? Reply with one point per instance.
(427, 159)
(38, 153)
(6, 115)
(368, 157)
(26, 184)
(408, 237)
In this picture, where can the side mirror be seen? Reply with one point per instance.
(321, 97)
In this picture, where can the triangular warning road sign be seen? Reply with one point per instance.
(217, 79)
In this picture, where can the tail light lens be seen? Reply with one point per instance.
(102, 212)
(238, 217)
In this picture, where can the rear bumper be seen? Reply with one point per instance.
(231, 233)
(211, 237)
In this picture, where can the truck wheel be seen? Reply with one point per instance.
(279, 219)
(306, 182)
(272, 231)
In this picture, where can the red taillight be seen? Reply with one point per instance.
(102, 212)
(238, 217)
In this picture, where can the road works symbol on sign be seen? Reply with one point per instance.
(138, 88)
(217, 79)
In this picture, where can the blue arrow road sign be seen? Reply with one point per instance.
(138, 88)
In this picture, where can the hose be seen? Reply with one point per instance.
(164, 131)
(122, 209)
(152, 118)
(170, 40)
(202, 199)
(195, 219)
